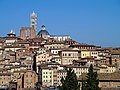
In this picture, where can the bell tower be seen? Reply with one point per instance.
(33, 20)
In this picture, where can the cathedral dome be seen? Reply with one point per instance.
(43, 31)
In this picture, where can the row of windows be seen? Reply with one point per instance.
(54, 52)
(84, 54)
(82, 69)
(29, 87)
(61, 73)
(43, 57)
(94, 53)
(55, 47)
(70, 54)
(109, 70)
(46, 80)
(47, 72)
(61, 76)
(49, 80)
(27, 75)
(46, 76)
(103, 61)
(84, 47)
(27, 80)
(57, 60)
(4, 78)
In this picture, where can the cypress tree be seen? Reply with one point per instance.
(34, 62)
(83, 84)
(70, 82)
(92, 81)
(37, 86)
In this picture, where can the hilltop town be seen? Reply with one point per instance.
(40, 57)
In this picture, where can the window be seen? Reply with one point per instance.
(8, 78)
(26, 80)
(31, 80)
(33, 23)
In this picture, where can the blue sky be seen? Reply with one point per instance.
(87, 21)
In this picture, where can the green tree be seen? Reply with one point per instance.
(70, 82)
(37, 86)
(92, 81)
(83, 84)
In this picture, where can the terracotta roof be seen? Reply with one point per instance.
(19, 71)
(61, 71)
(104, 76)
(88, 57)
(83, 45)
(51, 63)
(79, 61)
(1, 74)
(44, 68)
(115, 52)
(70, 49)
(73, 66)
(13, 47)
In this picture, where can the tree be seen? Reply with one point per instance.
(70, 82)
(37, 86)
(83, 84)
(34, 62)
(92, 81)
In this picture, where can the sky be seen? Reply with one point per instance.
(94, 22)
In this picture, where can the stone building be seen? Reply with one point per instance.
(30, 79)
(68, 55)
(107, 81)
